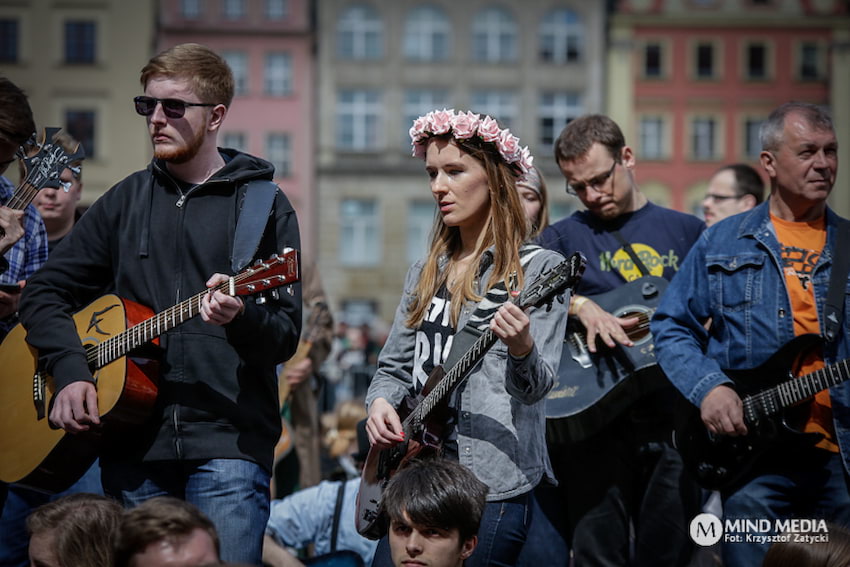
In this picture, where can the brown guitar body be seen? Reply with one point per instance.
(36, 455)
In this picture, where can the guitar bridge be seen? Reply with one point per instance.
(38, 396)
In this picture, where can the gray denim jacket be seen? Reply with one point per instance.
(501, 419)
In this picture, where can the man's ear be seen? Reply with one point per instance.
(217, 115)
(749, 201)
(768, 162)
(468, 547)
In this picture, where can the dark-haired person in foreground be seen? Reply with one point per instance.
(434, 508)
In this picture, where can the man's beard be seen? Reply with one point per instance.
(183, 153)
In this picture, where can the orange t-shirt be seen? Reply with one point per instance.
(802, 244)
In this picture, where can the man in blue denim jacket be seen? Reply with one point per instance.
(751, 284)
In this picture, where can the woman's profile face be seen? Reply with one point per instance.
(458, 183)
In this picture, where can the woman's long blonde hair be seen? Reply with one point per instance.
(506, 229)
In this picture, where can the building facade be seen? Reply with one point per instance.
(692, 80)
(79, 64)
(269, 46)
(533, 66)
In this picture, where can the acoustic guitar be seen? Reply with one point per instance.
(116, 334)
(423, 425)
(594, 388)
(771, 397)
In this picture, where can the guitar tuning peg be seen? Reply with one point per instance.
(275, 295)
(261, 299)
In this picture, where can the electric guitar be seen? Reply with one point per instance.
(42, 168)
(116, 334)
(422, 426)
(720, 462)
(594, 388)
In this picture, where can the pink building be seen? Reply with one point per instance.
(705, 74)
(268, 44)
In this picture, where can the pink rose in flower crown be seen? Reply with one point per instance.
(440, 121)
(465, 125)
(419, 129)
(508, 145)
(488, 130)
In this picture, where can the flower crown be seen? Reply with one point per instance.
(465, 125)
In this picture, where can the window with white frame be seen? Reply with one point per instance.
(190, 9)
(494, 36)
(235, 140)
(752, 141)
(703, 138)
(278, 74)
(8, 40)
(358, 119)
(651, 136)
(561, 37)
(501, 105)
(554, 112)
(360, 33)
(811, 61)
(427, 34)
(279, 153)
(756, 61)
(238, 62)
(418, 102)
(420, 220)
(704, 60)
(80, 41)
(233, 9)
(359, 234)
(653, 60)
(277, 9)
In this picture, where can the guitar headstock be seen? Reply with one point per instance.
(552, 282)
(272, 273)
(44, 167)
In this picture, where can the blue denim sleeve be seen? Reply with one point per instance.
(679, 329)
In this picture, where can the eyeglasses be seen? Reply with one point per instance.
(172, 107)
(720, 198)
(597, 182)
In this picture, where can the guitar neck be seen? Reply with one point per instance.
(441, 391)
(122, 343)
(22, 196)
(773, 400)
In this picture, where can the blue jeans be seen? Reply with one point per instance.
(501, 536)
(546, 544)
(233, 493)
(788, 483)
(14, 539)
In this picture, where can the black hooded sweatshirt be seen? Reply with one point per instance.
(155, 241)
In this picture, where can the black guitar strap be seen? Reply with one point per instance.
(833, 310)
(253, 216)
(486, 308)
(631, 252)
(337, 513)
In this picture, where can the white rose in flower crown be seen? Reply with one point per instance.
(464, 125)
(508, 145)
(526, 160)
(440, 121)
(489, 130)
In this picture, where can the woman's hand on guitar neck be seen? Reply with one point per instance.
(603, 325)
(75, 408)
(383, 425)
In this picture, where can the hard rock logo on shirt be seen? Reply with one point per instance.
(799, 262)
(433, 339)
(621, 262)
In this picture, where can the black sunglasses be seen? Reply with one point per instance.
(172, 107)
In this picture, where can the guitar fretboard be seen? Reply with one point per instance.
(790, 392)
(23, 196)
